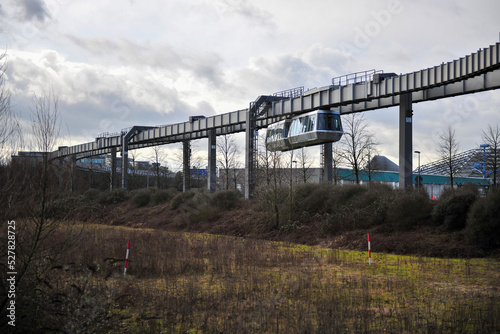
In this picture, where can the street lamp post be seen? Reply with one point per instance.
(295, 172)
(419, 182)
(484, 146)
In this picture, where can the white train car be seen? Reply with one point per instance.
(313, 128)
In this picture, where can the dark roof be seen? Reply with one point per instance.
(380, 162)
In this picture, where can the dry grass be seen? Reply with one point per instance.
(199, 283)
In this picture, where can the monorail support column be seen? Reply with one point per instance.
(212, 161)
(327, 163)
(186, 161)
(112, 176)
(72, 167)
(405, 141)
(61, 162)
(125, 139)
(124, 166)
(250, 153)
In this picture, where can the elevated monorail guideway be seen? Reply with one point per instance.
(473, 73)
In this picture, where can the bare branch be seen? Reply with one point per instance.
(226, 146)
(492, 137)
(448, 148)
(45, 122)
(357, 143)
(10, 130)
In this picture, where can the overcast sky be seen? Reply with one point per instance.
(114, 64)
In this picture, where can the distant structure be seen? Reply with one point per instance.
(477, 162)
(382, 170)
(382, 163)
(30, 157)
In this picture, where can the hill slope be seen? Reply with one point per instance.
(245, 220)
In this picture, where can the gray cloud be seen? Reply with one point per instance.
(95, 99)
(314, 67)
(34, 10)
(256, 16)
(162, 58)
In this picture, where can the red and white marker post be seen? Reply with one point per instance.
(369, 251)
(126, 259)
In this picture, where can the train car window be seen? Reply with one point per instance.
(321, 122)
(268, 135)
(292, 127)
(338, 125)
(313, 123)
(333, 123)
(297, 125)
(324, 122)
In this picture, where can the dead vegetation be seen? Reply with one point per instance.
(340, 217)
(188, 272)
(200, 283)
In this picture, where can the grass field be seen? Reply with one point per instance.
(200, 283)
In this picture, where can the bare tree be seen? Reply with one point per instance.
(12, 179)
(264, 162)
(134, 178)
(196, 162)
(290, 193)
(448, 148)
(270, 164)
(271, 193)
(198, 175)
(492, 137)
(10, 132)
(337, 160)
(159, 158)
(357, 142)
(226, 146)
(40, 240)
(33, 256)
(237, 174)
(371, 152)
(11, 140)
(276, 191)
(305, 163)
(45, 122)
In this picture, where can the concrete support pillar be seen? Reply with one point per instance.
(327, 162)
(186, 161)
(60, 173)
(124, 162)
(212, 161)
(249, 154)
(405, 141)
(125, 139)
(112, 180)
(72, 166)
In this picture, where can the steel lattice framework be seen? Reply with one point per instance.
(472, 163)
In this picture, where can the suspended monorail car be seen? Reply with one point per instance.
(313, 128)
